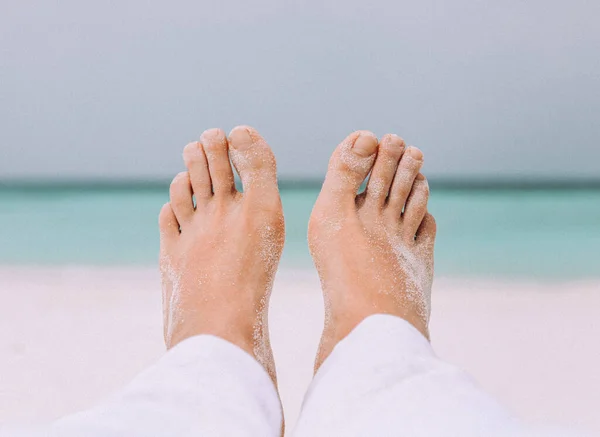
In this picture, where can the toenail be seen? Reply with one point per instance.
(211, 135)
(420, 178)
(178, 177)
(394, 140)
(366, 144)
(415, 153)
(191, 150)
(240, 138)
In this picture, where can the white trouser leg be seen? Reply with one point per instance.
(384, 380)
(204, 387)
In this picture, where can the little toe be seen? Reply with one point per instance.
(254, 161)
(408, 168)
(197, 165)
(426, 233)
(216, 150)
(167, 223)
(389, 153)
(416, 207)
(350, 164)
(181, 198)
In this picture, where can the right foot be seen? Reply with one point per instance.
(373, 251)
(219, 257)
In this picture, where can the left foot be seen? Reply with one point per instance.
(219, 258)
(373, 251)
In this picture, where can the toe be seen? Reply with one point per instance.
(416, 207)
(389, 153)
(408, 168)
(181, 198)
(350, 164)
(197, 165)
(426, 233)
(167, 223)
(215, 147)
(253, 160)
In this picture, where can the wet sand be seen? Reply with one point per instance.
(71, 336)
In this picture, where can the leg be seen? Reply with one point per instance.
(218, 261)
(376, 373)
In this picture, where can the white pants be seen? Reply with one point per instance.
(382, 380)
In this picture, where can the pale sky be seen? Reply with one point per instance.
(116, 89)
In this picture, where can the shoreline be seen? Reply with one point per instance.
(299, 271)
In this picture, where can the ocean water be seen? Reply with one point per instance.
(500, 234)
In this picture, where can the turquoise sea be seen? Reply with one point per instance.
(495, 234)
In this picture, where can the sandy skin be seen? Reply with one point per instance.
(373, 251)
(219, 258)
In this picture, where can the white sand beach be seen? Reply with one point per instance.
(71, 336)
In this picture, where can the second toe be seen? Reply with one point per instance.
(214, 143)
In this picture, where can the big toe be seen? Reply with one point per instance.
(253, 159)
(351, 163)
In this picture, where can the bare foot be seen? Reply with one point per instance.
(374, 251)
(218, 259)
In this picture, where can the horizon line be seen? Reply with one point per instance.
(441, 183)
